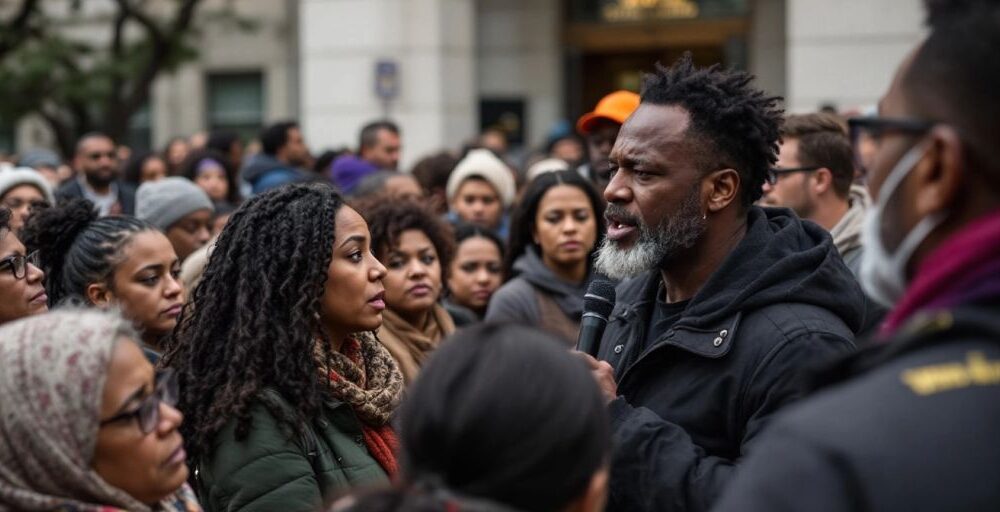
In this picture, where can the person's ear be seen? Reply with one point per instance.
(595, 497)
(822, 180)
(940, 176)
(100, 295)
(721, 187)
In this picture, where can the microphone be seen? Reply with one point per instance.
(597, 306)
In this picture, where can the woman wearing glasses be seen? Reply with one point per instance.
(115, 261)
(287, 394)
(87, 424)
(21, 291)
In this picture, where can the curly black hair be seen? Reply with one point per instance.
(522, 225)
(77, 247)
(388, 219)
(737, 124)
(253, 322)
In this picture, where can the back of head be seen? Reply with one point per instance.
(505, 414)
(432, 172)
(52, 384)
(823, 142)
(77, 247)
(275, 136)
(735, 124)
(953, 78)
(254, 317)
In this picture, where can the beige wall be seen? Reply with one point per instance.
(433, 43)
(845, 51)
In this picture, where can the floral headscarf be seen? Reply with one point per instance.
(52, 370)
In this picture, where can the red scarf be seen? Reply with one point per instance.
(964, 268)
(380, 440)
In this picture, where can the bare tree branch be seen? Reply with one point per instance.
(19, 29)
(162, 46)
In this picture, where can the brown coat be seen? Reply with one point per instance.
(410, 346)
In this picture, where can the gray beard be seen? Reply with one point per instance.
(655, 248)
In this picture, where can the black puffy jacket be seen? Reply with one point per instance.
(782, 302)
(909, 425)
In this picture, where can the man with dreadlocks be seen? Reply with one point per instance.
(728, 301)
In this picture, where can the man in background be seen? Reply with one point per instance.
(379, 144)
(600, 128)
(95, 162)
(813, 177)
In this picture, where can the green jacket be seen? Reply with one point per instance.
(272, 468)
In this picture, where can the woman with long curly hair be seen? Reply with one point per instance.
(415, 246)
(287, 395)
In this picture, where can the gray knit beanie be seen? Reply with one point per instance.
(164, 202)
(10, 178)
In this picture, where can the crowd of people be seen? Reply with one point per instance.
(805, 315)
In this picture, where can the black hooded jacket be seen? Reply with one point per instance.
(782, 302)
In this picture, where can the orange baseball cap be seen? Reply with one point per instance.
(616, 107)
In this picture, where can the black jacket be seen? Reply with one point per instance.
(909, 425)
(781, 302)
(71, 189)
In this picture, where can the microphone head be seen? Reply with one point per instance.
(600, 298)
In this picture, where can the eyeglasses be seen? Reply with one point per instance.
(148, 412)
(16, 203)
(867, 132)
(18, 264)
(774, 172)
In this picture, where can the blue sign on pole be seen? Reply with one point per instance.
(387, 79)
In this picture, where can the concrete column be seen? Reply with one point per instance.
(520, 55)
(433, 43)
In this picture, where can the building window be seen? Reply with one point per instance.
(139, 136)
(236, 102)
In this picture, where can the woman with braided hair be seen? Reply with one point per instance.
(287, 395)
(109, 262)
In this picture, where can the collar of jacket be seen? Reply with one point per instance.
(713, 340)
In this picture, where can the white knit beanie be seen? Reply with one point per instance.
(482, 163)
(10, 178)
(164, 202)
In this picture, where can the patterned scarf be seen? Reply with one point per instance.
(963, 269)
(365, 377)
(52, 371)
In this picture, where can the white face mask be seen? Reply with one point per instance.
(883, 274)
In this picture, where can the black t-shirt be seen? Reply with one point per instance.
(662, 319)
